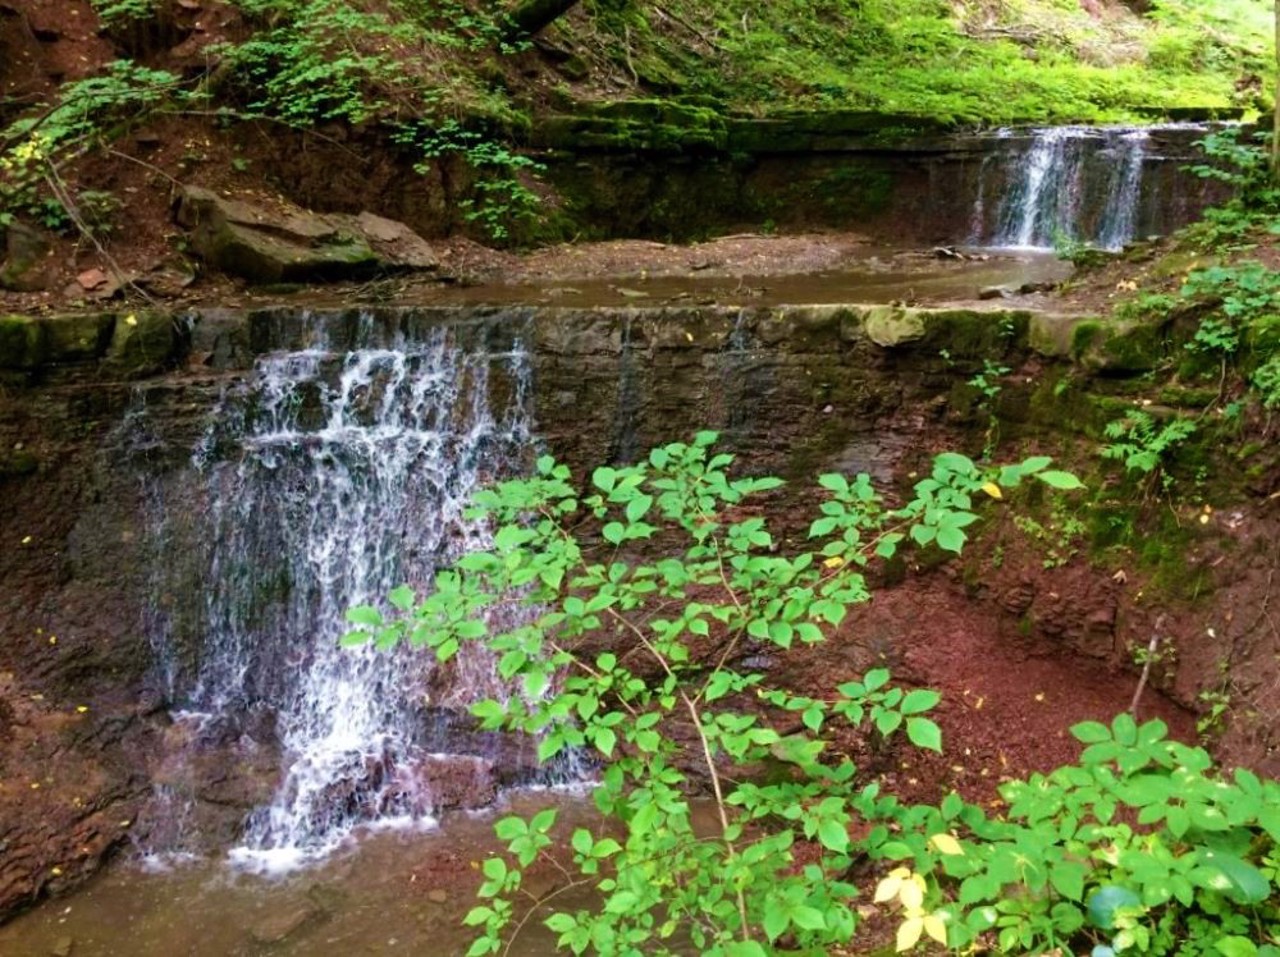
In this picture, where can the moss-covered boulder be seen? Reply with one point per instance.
(289, 244)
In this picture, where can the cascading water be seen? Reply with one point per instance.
(1082, 184)
(330, 477)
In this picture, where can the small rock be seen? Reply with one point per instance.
(286, 923)
(437, 896)
(993, 292)
(62, 947)
(1029, 288)
(91, 279)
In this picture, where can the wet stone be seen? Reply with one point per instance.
(287, 923)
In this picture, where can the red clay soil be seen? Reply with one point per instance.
(1007, 701)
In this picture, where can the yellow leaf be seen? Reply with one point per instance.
(887, 889)
(56, 871)
(131, 320)
(992, 489)
(909, 933)
(81, 709)
(26, 540)
(936, 928)
(946, 844)
(912, 893)
(835, 561)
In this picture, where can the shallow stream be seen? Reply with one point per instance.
(395, 892)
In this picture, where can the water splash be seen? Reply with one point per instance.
(330, 477)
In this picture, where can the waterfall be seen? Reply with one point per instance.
(328, 477)
(1082, 184)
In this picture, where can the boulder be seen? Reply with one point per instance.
(293, 245)
(26, 266)
(890, 327)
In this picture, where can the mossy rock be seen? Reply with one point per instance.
(1122, 349)
(79, 338)
(974, 333)
(891, 327)
(143, 344)
(24, 342)
(1181, 397)
(1058, 336)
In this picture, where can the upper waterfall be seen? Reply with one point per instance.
(1068, 184)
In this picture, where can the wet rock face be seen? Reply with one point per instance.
(793, 390)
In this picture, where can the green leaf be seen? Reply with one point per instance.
(875, 679)
(638, 507)
(924, 734)
(605, 740)
(401, 597)
(833, 835)
(1067, 878)
(1124, 729)
(1237, 878)
(776, 918)
(509, 828)
(1236, 947)
(808, 918)
(922, 699)
(834, 482)
(1064, 481)
(1177, 820)
(1091, 732)
(364, 615)
(560, 923)
(604, 478)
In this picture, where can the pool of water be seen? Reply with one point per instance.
(877, 276)
(396, 892)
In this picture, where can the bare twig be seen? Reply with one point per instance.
(1152, 647)
(62, 194)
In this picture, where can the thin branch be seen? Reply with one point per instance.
(1152, 647)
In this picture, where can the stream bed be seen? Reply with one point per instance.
(393, 892)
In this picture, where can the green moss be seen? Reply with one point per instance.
(1182, 397)
(24, 342)
(143, 343)
(974, 334)
(1139, 348)
(1085, 336)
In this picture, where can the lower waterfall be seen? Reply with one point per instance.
(327, 477)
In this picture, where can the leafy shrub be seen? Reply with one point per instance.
(1142, 848)
(629, 654)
